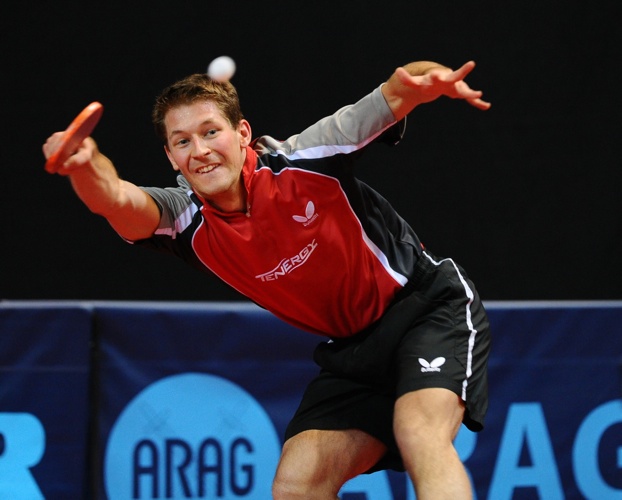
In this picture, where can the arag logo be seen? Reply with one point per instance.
(191, 436)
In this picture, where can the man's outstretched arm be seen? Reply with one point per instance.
(128, 209)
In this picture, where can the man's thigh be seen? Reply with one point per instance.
(334, 455)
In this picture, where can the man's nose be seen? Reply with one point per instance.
(200, 147)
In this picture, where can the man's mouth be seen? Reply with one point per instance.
(206, 169)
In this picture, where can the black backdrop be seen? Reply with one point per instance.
(526, 195)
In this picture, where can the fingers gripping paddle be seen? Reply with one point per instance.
(79, 129)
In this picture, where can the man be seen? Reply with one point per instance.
(289, 225)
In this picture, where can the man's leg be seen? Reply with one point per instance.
(425, 424)
(315, 464)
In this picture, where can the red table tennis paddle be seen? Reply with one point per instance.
(79, 129)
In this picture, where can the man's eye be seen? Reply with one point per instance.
(212, 131)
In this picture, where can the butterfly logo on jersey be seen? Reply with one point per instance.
(309, 215)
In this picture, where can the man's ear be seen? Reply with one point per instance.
(170, 158)
(246, 134)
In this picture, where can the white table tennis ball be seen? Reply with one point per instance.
(221, 69)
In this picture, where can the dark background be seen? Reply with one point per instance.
(526, 195)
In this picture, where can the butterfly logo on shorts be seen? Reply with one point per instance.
(432, 366)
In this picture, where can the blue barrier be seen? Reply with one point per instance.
(44, 401)
(149, 400)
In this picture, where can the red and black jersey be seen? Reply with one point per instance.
(317, 247)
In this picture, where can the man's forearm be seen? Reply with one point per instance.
(97, 184)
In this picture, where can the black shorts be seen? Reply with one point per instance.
(435, 334)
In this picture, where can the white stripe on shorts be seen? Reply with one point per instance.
(469, 322)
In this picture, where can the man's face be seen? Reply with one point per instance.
(202, 145)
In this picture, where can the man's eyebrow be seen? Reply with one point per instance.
(209, 121)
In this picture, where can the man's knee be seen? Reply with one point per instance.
(426, 423)
(428, 415)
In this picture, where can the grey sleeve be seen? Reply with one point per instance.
(349, 129)
(176, 207)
